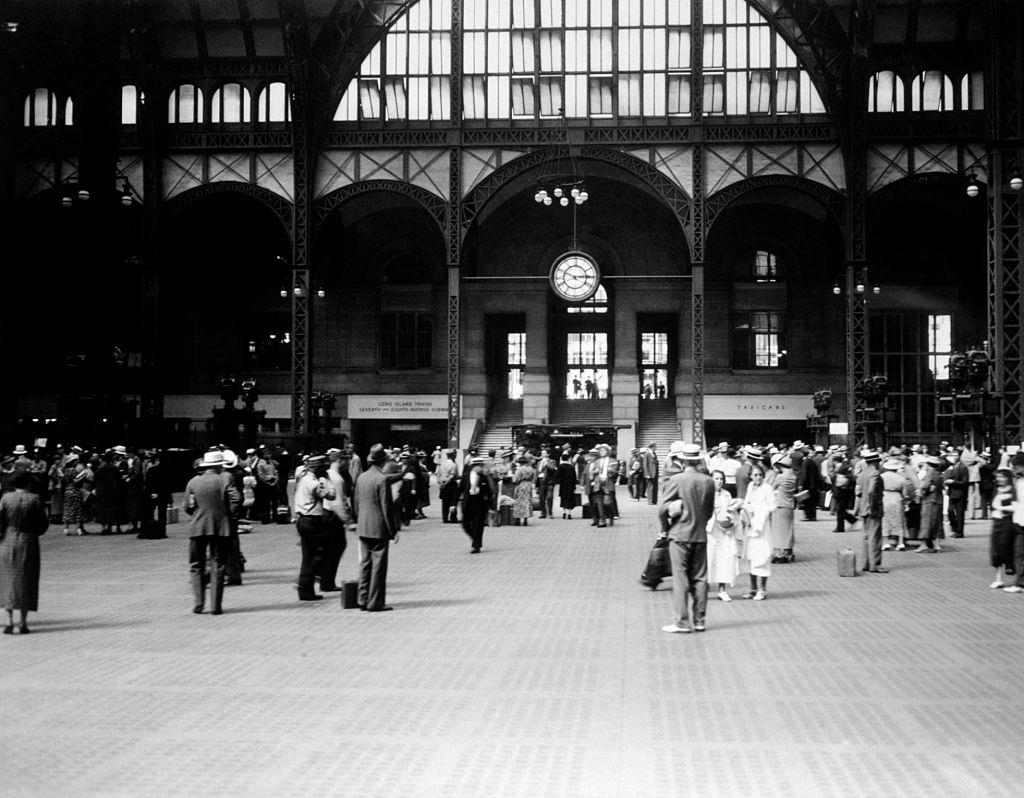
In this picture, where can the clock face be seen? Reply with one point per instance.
(575, 277)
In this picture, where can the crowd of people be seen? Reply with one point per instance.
(722, 513)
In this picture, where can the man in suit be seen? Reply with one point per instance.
(447, 473)
(547, 473)
(869, 508)
(477, 499)
(312, 522)
(688, 502)
(649, 463)
(604, 473)
(929, 495)
(957, 480)
(157, 493)
(210, 500)
(376, 527)
(339, 517)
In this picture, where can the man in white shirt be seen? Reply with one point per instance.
(311, 522)
(447, 474)
(337, 518)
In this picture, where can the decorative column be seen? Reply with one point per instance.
(454, 231)
(1005, 104)
(698, 227)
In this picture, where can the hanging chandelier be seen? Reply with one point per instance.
(566, 182)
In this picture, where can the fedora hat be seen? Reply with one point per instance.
(691, 451)
(869, 455)
(892, 465)
(676, 449)
(230, 458)
(604, 446)
(935, 461)
(212, 459)
(376, 454)
(754, 453)
(20, 449)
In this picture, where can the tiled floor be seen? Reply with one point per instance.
(536, 668)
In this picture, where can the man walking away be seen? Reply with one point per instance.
(376, 527)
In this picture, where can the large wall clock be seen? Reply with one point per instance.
(575, 276)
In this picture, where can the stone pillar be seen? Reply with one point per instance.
(625, 382)
(536, 379)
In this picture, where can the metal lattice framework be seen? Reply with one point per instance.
(699, 235)
(453, 237)
(1006, 219)
(281, 207)
(831, 201)
(434, 205)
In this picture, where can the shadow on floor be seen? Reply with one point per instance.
(42, 627)
(407, 605)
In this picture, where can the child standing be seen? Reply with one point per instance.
(1002, 540)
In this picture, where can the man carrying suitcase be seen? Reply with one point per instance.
(688, 502)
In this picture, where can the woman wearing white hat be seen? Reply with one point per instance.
(896, 492)
(723, 565)
(782, 533)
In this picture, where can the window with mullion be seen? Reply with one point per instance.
(757, 340)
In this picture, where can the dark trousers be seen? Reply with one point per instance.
(872, 542)
(233, 563)
(265, 501)
(450, 501)
(1018, 555)
(473, 524)
(546, 492)
(373, 572)
(810, 506)
(155, 523)
(957, 515)
(689, 580)
(652, 489)
(842, 501)
(313, 540)
(337, 542)
(212, 548)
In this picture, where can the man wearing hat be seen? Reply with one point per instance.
(157, 494)
(986, 482)
(843, 489)
(869, 508)
(210, 500)
(688, 548)
(266, 485)
(649, 464)
(929, 495)
(447, 474)
(547, 475)
(603, 476)
(957, 481)
(339, 517)
(376, 526)
(312, 522)
(477, 499)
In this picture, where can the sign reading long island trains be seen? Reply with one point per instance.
(417, 406)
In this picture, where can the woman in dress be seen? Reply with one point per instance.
(1003, 535)
(22, 520)
(759, 506)
(74, 504)
(782, 534)
(566, 486)
(55, 483)
(722, 563)
(523, 478)
(895, 498)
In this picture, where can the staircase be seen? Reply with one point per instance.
(657, 424)
(497, 433)
(581, 412)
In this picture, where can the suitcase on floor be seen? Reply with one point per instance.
(659, 565)
(172, 515)
(281, 515)
(349, 595)
(846, 562)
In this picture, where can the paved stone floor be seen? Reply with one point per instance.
(536, 668)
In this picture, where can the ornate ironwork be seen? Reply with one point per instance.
(453, 238)
(436, 206)
(281, 207)
(832, 201)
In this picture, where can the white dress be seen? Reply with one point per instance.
(757, 545)
(723, 565)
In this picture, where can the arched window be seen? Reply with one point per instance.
(972, 91)
(69, 112)
(931, 91)
(130, 105)
(583, 58)
(886, 93)
(273, 104)
(230, 104)
(40, 109)
(598, 303)
(185, 105)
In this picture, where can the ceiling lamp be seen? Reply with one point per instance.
(973, 186)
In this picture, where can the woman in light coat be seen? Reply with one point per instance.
(785, 506)
(759, 507)
(723, 565)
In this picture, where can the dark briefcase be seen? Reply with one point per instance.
(349, 595)
(659, 565)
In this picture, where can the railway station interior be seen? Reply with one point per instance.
(483, 223)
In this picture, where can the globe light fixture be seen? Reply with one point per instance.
(1017, 182)
(973, 187)
(320, 292)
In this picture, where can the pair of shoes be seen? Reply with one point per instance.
(1013, 589)
(198, 609)
(699, 627)
(326, 588)
(601, 526)
(310, 596)
(672, 629)
(887, 547)
(475, 550)
(651, 585)
(877, 570)
(379, 609)
(759, 596)
(748, 595)
(996, 585)
(23, 629)
(723, 596)
(362, 607)
(67, 533)
(839, 531)
(216, 612)
(901, 547)
(9, 629)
